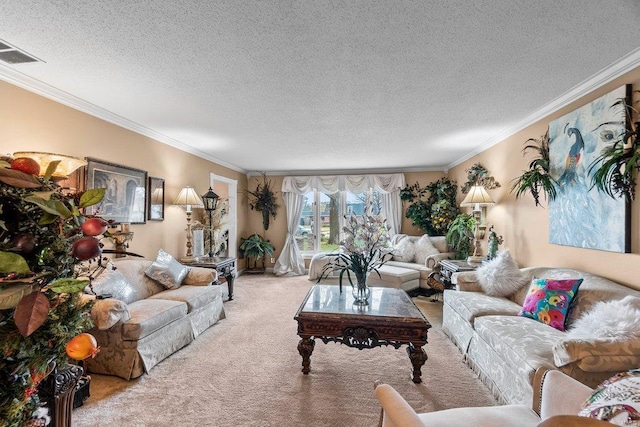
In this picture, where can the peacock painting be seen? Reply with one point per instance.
(581, 215)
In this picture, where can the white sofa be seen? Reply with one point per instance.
(505, 349)
(409, 276)
(149, 323)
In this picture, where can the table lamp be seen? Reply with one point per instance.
(479, 199)
(188, 199)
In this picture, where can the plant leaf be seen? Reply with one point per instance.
(31, 312)
(68, 285)
(13, 263)
(19, 179)
(55, 207)
(51, 169)
(92, 197)
(12, 295)
(47, 219)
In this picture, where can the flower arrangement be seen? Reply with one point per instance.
(44, 239)
(363, 250)
(263, 199)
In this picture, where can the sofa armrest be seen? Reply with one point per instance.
(467, 281)
(432, 260)
(107, 312)
(395, 410)
(598, 355)
(200, 276)
(555, 393)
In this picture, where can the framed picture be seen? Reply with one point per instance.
(155, 211)
(125, 198)
(582, 216)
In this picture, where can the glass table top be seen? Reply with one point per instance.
(384, 302)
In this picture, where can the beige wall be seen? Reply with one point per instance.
(29, 122)
(526, 228)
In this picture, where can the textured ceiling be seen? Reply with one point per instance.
(319, 85)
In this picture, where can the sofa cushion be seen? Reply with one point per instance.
(111, 282)
(167, 271)
(194, 296)
(423, 249)
(149, 315)
(395, 277)
(616, 400)
(404, 250)
(548, 301)
(470, 305)
(501, 276)
(200, 276)
(523, 344)
(598, 354)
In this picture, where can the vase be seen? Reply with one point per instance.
(361, 291)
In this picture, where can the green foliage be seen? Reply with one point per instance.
(432, 208)
(263, 199)
(38, 225)
(615, 170)
(537, 179)
(460, 235)
(256, 247)
(479, 175)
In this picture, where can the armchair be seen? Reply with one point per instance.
(556, 403)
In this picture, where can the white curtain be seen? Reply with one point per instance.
(295, 187)
(290, 259)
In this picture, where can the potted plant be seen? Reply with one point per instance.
(537, 179)
(256, 247)
(263, 199)
(432, 213)
(460, 235)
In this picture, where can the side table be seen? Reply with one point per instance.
(225, 266)
(448, 267)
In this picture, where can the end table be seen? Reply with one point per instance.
(225, 266)
(448, 267)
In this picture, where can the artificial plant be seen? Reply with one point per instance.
(263, 199)
(42, 247)
(460, 235)
(256, 247)
(615, 170)
(479, 175)
(536, 180)
(433, 207)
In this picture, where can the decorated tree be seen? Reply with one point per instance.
(44, 241)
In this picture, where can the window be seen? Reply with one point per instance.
(320, 228)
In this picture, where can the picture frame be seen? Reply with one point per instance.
(155, 208)
(581, 215)
(126, 191)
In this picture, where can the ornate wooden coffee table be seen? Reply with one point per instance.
(391, 318)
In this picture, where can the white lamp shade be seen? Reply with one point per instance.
(477, 197)
(66, 166)
(188, 198)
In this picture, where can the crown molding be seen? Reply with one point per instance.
(624, 65)
(346, 171)
(38, 87)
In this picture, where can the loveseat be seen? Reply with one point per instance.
(408, 266)
(505, 349)
(143, 322)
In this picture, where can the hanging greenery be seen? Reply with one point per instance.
(615, 170)
(479, 175)
(433, 207)
(263, 199)
(536, 180)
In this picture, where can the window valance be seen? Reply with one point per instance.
(386, 183)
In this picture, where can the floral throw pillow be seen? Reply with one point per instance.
(616, 400)
(548, 300)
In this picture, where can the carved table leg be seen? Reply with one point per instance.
(229, 278)
(305, 348)
(418, 357)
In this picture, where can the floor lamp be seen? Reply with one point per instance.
(210, 200)
(188, 198)
(479, 199)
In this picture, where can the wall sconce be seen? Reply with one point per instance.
(210, 200)
(479, 199)
(188, 198)
(121, 239)
(65, 168)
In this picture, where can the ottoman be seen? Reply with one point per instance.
(395, 277)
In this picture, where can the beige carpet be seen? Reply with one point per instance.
(246, 371)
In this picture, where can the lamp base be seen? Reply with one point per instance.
(187, 259)
(474, 260)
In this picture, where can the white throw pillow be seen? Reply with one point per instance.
(501, 276)
(424, 249)
(618, 319)
(167, 271)
(404, 250)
